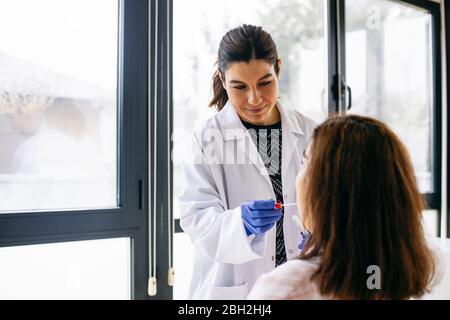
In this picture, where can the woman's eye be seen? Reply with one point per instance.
(264, 84)
(239, 87)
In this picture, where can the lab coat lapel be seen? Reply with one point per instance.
(233, 130)
(291, 136)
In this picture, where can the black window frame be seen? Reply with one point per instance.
(129, 219)
(433, 199)
(446, 15)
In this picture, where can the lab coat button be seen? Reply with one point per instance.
(285, 197)
(290, 251)
(273, 258)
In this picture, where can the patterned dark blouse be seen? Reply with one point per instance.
(269, 142)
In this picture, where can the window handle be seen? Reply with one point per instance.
(349, 90)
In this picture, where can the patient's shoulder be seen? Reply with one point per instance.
(297, 269)
(292, 280)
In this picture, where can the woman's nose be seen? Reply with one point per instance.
(254, 98)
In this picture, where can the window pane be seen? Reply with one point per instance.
(58, 62)
(388, 67)
(298, 30)
(430, 219)
(97, 269)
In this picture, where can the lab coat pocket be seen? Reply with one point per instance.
(239, 292)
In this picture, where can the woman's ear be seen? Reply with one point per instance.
(222, 80)
(278, 67)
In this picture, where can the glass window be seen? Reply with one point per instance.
(297, 27)
(388, 67)
(58, 85)
(96, 269)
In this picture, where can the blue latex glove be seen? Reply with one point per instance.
(259, 216)
(303, 239)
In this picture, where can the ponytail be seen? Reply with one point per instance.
(220, 96)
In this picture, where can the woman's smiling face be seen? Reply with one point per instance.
(253, 90)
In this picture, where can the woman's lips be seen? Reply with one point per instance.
(256, 111)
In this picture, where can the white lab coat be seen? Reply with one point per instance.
(227, 262)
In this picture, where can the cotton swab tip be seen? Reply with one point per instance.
(280, 205)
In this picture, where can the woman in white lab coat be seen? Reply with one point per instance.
(239, 163)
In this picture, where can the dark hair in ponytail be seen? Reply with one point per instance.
(241, 44)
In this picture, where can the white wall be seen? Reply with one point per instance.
(442, 290)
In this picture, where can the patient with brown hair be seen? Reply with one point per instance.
(358, 198)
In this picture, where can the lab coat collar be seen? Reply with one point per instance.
(286, 121)
(230, 123)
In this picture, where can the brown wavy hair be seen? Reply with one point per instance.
(360, 194)
(241, 44)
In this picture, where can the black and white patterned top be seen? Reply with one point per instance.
(269, 144)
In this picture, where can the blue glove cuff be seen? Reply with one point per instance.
(304, 239)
